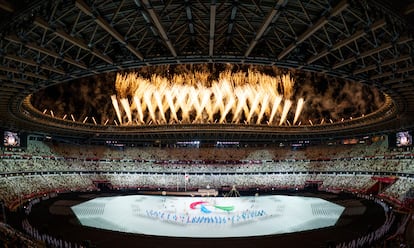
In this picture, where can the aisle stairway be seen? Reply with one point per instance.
(382, 183)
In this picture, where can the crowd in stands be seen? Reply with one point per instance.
(17, 163)
(14, 190)
(46, 167)
(49, 167)
(18, 189)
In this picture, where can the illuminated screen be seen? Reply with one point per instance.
(11, 139)
(404, 139)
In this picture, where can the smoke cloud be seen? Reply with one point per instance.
(324, 99)
(330, 98)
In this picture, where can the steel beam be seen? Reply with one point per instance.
(53, 69)
(396, 80)
(53, 54)
(406, 86)
(344, 62)
(384, 63)
(76, 41)
(406, 69)
(16, 71)
(358, 34)
(382, 75)
(156, 21)
(34, 63)
(20, 59)
(269, 19)
(395, 60)
(409, 9)
(364, 69)
(17, 80)
(9, 69)
(385, 46)
(6, 6)
(213, 8)
(43, 50)
(232, 17)
(341, 6)
(34, 75)
(108, 28)
(189, 16)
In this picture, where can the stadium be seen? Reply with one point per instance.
(202, 123)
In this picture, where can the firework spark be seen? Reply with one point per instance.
(191, 98)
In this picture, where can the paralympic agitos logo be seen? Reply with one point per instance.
(206, 207)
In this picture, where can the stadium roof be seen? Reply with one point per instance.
(49, 42)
